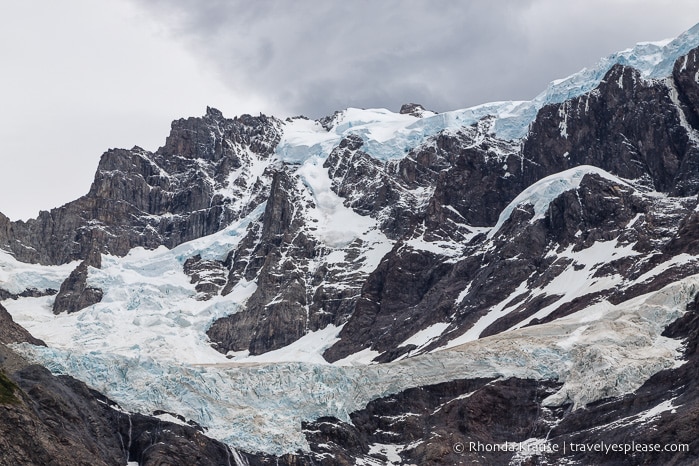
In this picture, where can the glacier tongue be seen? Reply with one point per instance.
(598, 352)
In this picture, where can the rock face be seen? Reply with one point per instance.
(75, 294)
(642, 123)
(454, 413)
(278, 262)
(193, 186)
(49, 422)
(138, 198)
(209, 276)
(412, 109)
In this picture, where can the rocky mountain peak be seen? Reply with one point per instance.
(139, 198)
(213, 113)
(415, 110)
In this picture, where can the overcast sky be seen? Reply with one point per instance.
(79, 76)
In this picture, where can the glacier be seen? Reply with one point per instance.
(601, 351)
(17, 276)
(388, 135)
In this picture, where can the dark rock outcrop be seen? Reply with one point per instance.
(75, 294)
(138, 198)
(385, 297)
(412, 109)
(27, 293)
(55, 420)
(208, 275)
(12, 332)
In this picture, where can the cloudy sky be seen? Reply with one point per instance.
(79, 76)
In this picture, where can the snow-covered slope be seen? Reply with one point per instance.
(543, 192)
(389, 135)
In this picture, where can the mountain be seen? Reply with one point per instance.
(375, 287)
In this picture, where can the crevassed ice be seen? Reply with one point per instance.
(259, 407)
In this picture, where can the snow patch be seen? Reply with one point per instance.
(308, 348)
(426, 335)
(360, 358)
(390, 451)
(541, 193)
(16, 276)
(336, 225)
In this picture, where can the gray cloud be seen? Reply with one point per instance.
(80, 77)
(314, 57)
